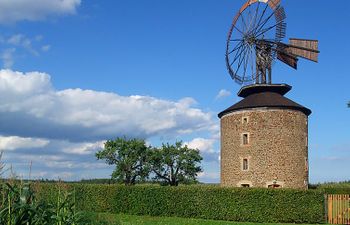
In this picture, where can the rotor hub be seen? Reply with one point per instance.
(250, 39)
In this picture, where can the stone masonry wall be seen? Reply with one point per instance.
(277, 150)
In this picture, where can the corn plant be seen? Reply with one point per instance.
(65, 211)
(18, 205)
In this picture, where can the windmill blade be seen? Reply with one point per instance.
(304, 48)
(284, 55)
(288, 59)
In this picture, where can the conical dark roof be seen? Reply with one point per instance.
(263, 95)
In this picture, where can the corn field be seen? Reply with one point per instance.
(18, 205)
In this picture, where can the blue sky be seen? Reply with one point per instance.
(78, 72)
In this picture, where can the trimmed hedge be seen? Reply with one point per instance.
(198, 201)
(336, 190)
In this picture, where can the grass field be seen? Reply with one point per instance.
(120, 219)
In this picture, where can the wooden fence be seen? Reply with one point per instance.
(338, 209)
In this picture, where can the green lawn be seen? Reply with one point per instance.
(120, 219)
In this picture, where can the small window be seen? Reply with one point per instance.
(245, 120)
(245, 139)
(245, 185)
(245, 164)
(274, 186)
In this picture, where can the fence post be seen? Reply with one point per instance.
(330, 209)
(326, 207)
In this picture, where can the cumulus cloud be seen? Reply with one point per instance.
(206, 148)
(14, 142)
(209, 175)
(202, 144)
(60, 130)
(222, 94)
(12, 11)
(30, 106)
(84, 148)
(57, 157)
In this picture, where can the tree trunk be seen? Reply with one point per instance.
(127, 180)
(173, 182)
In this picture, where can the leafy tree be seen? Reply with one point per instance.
(129, 156)
(175, 164)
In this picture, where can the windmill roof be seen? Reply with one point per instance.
(271, 96)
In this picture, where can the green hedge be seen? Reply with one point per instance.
(336, 190)
(205, 202)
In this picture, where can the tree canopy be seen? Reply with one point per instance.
(171, 163)
(176, 163)
(130, 158)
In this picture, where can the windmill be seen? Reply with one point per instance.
(255, 41)
(264, 136)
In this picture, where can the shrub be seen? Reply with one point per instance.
(337, 190)
(199, 201)
(90, 218)
(334, 188)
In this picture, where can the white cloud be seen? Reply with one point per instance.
(202, 144)
(84, 148)
(20, 40)
(62, 129)
(14, 85)
(15, 39)
(76, 114)
(40, 158)
(223, 93)
(45, 48)
(12, 11)
(21, 45)
(209, 175)
(7, 57)
(14, 142)
(207, 148)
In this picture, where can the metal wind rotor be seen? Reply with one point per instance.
(255, 41)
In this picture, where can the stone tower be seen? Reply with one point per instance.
(264, 140)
